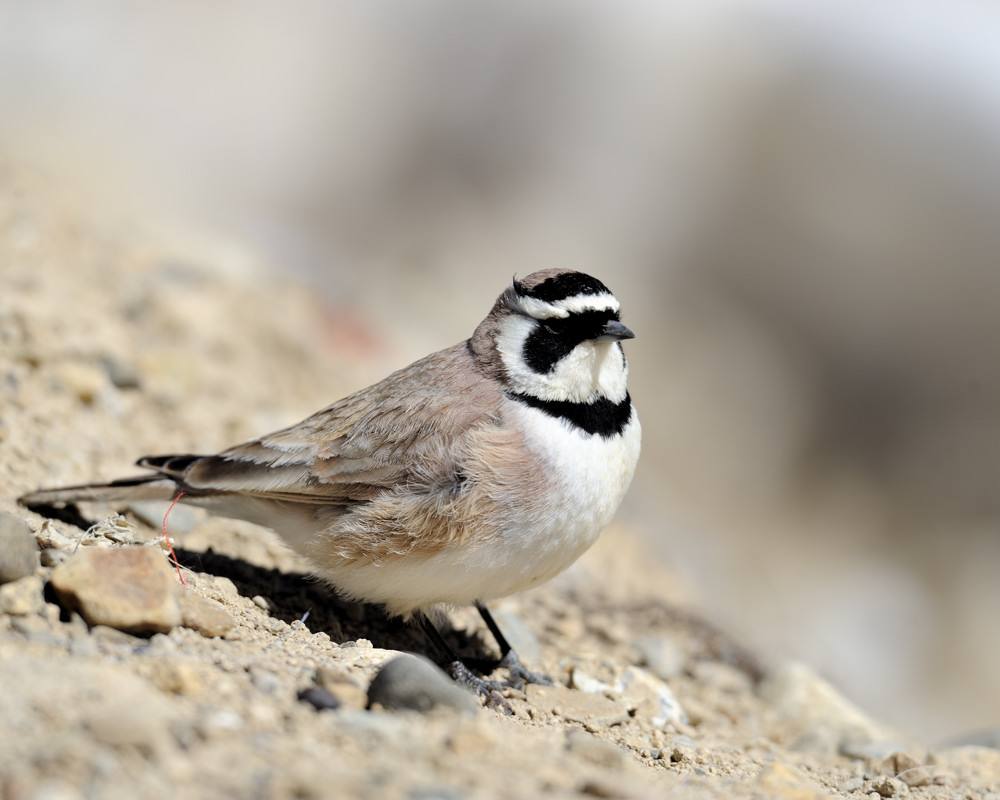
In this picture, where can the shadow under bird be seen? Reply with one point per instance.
(476, 472)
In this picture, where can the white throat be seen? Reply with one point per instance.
(590, 371)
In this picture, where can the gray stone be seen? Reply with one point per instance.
(121, 373)
(319, 698)
(414, 683)
(18, 551)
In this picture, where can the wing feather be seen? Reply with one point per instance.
(361, 445)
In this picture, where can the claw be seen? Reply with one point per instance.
(486, 689)
(520, 674)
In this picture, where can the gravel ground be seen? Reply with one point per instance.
(253, 680)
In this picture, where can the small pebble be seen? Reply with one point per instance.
(265, 680)
(22, 597)
(121, 373)
(261, 602)
(319, 698)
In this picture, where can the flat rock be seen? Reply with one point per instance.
(584, 707)
(414, 683)
(132, 589)
(206, 616)
(18, 551)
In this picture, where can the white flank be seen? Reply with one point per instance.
(589, 477)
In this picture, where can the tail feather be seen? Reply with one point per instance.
(142, 487)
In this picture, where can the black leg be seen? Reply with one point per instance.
(491, 623)
(519, 674)
(435, 637)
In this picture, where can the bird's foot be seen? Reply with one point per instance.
(519, 675)
(489, 691)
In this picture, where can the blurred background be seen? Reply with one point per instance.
(798, 205)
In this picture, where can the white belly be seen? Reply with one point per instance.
(589, 477)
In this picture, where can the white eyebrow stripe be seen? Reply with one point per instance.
(589, 302)
(540, 309)
(577, 304)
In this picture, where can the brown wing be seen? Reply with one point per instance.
(350, 451)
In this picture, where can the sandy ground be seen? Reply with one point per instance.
(112, 346)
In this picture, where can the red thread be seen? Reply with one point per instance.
(169, 541)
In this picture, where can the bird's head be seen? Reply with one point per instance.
(555, 335)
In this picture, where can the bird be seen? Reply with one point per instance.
(474, 473)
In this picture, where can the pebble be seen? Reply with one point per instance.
(651, 698)
(889, 787)
(261, 602)
(18, 551)
(129, 588)
(221, 721)
(53, 558)
(898, 761)
(596, 751)
(122, 374)
(682, 748)
(319, 698)
(206, 616)
(585, 682)
(175, 677)
(264, 680)
(412, 682)
(49, 537)
(661, 656)
(921, 776)
(22, 597)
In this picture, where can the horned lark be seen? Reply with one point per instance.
(476, 472)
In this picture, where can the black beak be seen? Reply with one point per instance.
(614, 331)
